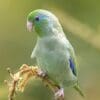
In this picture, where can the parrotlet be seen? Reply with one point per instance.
(53, 52)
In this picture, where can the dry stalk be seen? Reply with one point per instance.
(21, 78)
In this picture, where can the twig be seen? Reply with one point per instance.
(21, 78)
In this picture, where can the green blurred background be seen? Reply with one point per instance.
(81, 22)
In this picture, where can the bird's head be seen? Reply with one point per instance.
(43, 21)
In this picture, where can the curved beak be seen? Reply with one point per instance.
(29, 26)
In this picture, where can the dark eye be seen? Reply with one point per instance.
(37, 18)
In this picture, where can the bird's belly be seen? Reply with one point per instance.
(55, 64)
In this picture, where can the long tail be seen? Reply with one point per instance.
(78, 89)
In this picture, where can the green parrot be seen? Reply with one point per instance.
(53, 52)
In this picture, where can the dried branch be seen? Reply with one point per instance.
(21, 78)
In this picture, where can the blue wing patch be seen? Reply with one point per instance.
(72, 66)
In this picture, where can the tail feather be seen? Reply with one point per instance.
(77, 88)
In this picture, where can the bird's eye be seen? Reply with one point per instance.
(37, 18)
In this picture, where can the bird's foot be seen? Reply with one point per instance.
(41, 74)
(59, 95)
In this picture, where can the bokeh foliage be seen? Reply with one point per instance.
(81, 22)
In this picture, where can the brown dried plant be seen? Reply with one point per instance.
(20, 79)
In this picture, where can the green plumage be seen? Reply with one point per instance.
(53, 52)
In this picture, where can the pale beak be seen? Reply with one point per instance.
(29, 26)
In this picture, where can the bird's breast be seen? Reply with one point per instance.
(52, 59)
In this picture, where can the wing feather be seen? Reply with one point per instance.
(72, 61)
